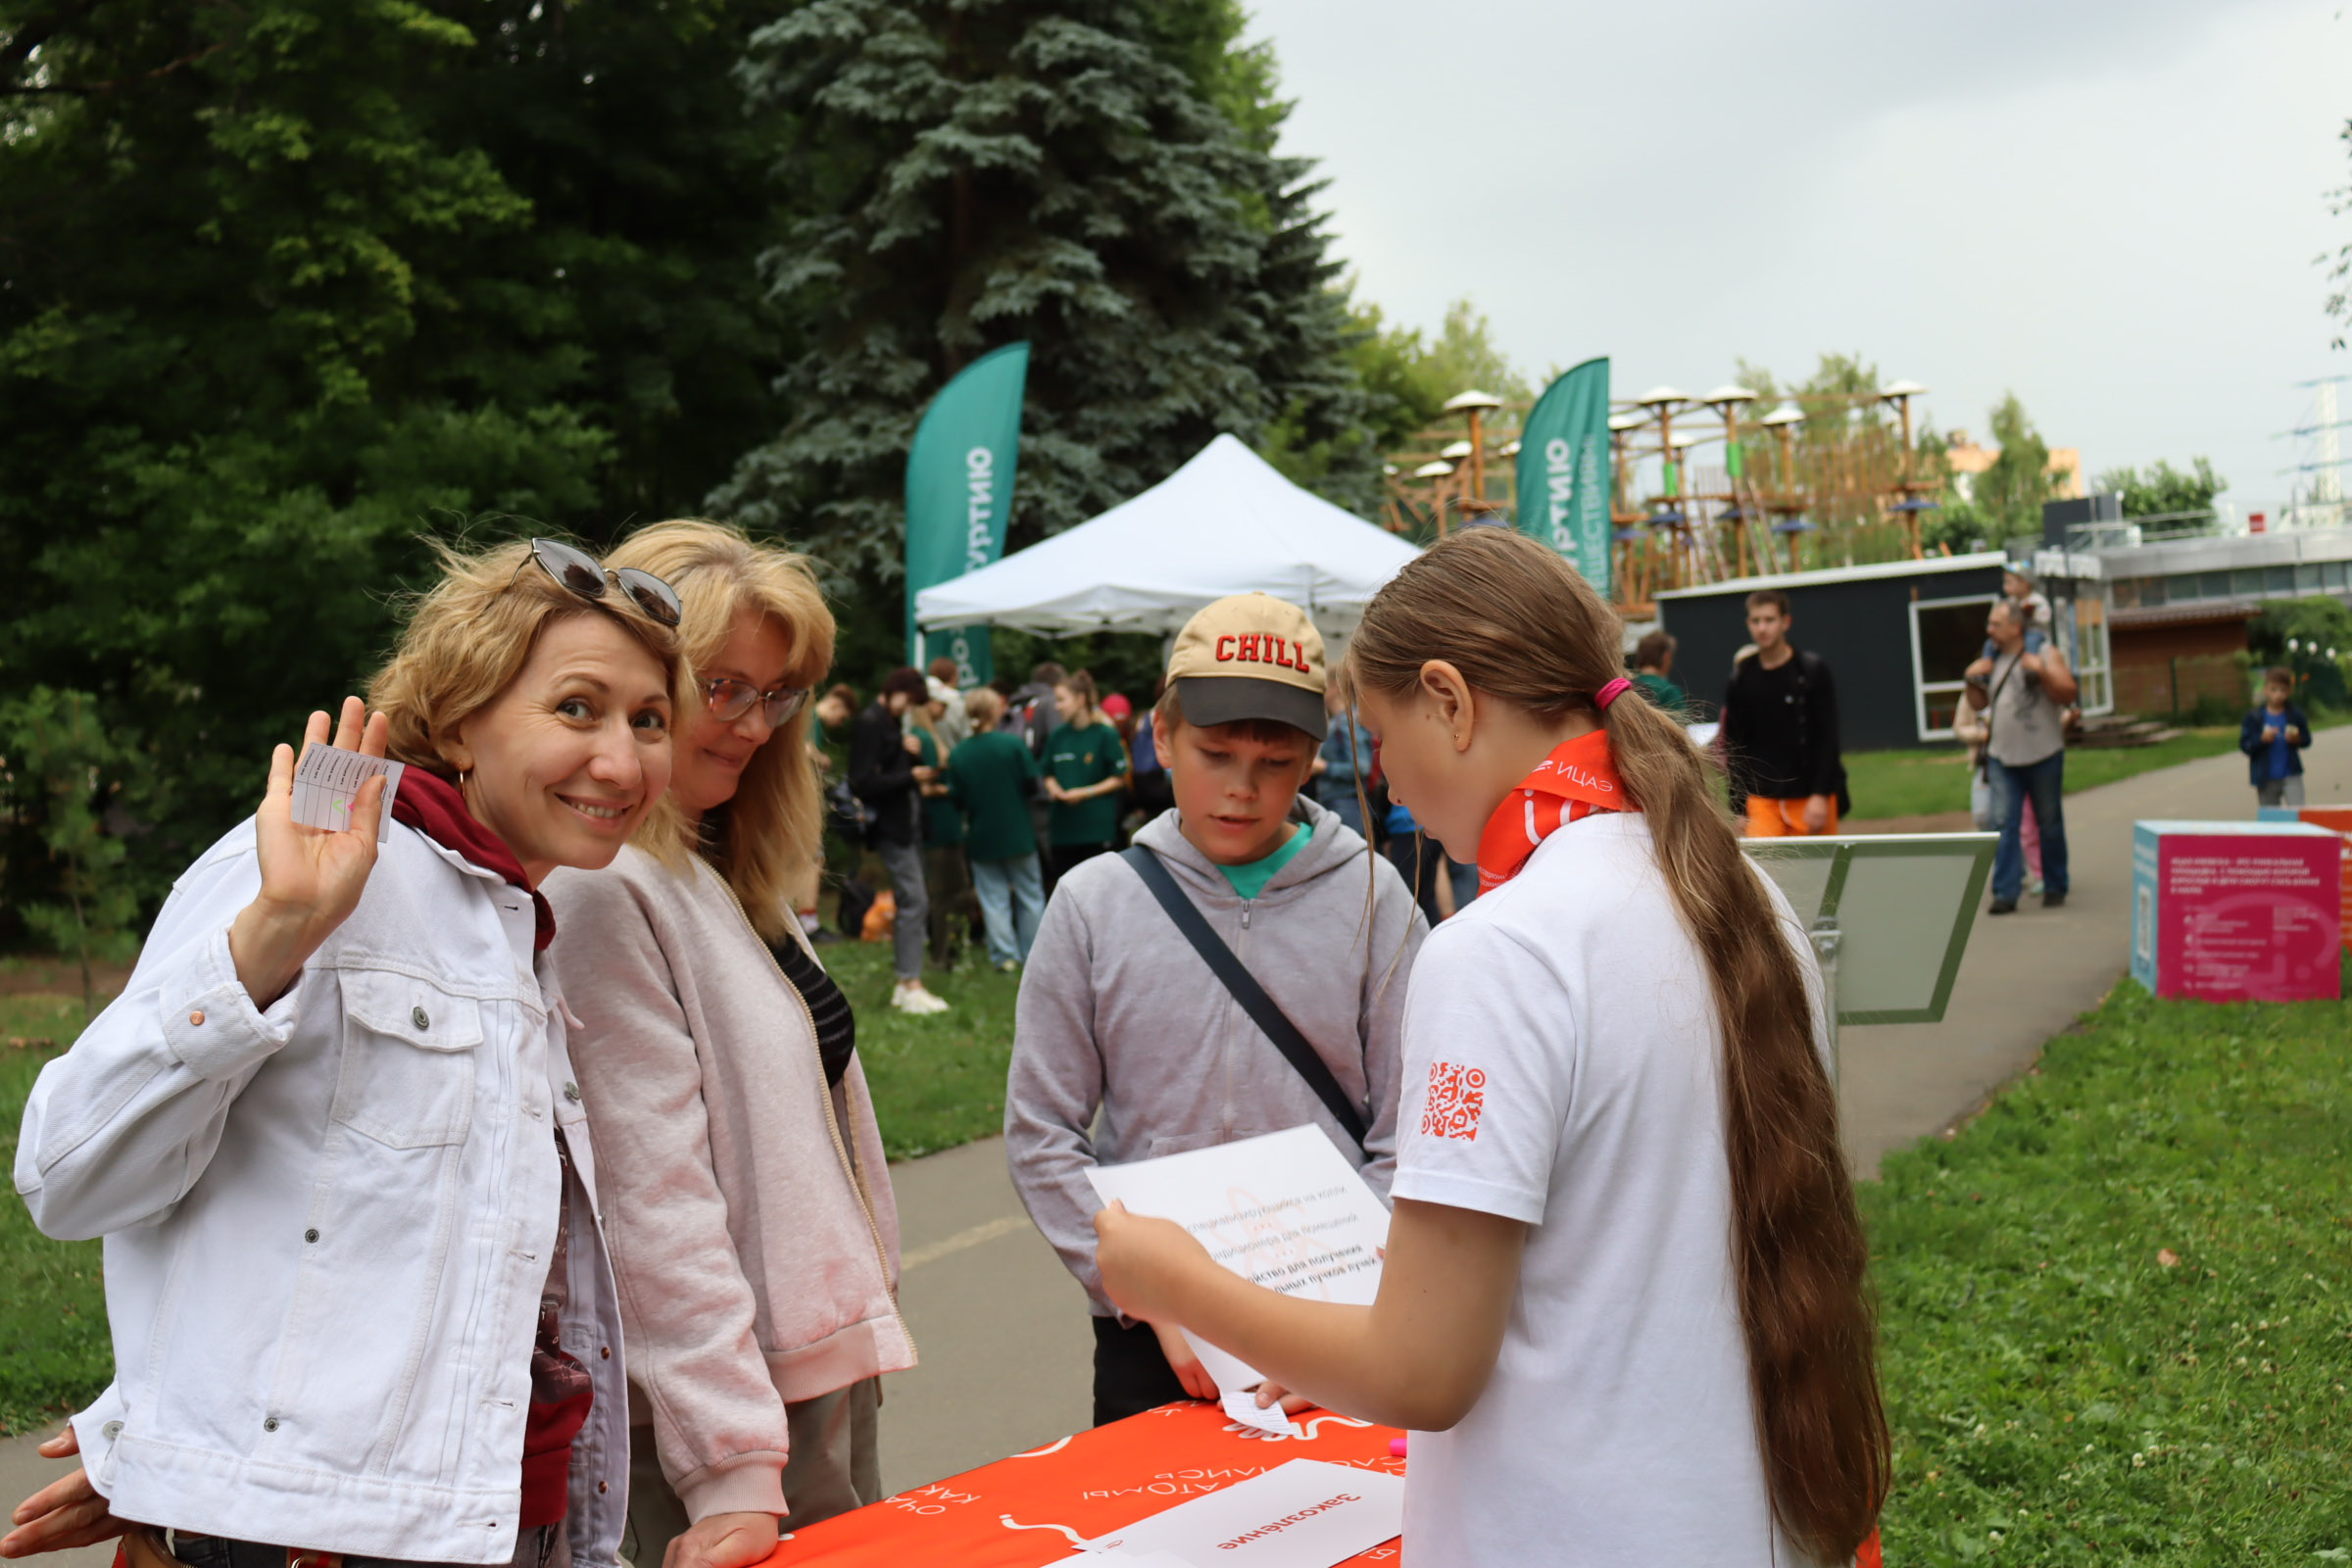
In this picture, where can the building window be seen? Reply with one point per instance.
(2331, 575)
(2279, 579)
(2307, 579)
(2127, 592)
(2088, 654)
(1947, 637)
(2213, 585)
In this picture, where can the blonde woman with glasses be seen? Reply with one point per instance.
(361, 1304)
(747, 1205)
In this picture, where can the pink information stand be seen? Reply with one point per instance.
(2236, 911)
(2335, 819)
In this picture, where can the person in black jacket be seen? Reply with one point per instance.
(1780, 730)
(885, 773)
(2273, 737)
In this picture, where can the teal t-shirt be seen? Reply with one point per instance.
(1078, 758)
(1250, 880)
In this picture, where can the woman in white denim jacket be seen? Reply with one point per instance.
(331, 1134)
(747, 1201)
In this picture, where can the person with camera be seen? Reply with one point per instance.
(2023, 696)
(886, 775)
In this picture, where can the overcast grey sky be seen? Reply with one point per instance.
(2110, 207)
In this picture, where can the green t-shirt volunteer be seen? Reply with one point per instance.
(1075, 758)
(992, 776)
(943, 819)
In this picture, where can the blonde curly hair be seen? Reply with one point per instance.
(775, 820)
(468, 635)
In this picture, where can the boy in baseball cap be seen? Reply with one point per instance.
(1119, 1014)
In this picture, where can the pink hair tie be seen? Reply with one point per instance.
(1611, 692)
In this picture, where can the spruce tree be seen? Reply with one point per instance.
(1056, 171)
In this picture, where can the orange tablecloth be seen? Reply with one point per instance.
(1029, 1510)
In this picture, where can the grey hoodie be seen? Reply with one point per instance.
(1117, 1013)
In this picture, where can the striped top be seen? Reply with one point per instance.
(828, 1009)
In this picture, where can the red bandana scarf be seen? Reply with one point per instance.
(1575, 780)
(432, 806)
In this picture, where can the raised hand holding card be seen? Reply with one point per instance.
(328, 780)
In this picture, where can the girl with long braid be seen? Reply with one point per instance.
(1624, 1305)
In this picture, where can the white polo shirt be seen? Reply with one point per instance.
(1562, 1066)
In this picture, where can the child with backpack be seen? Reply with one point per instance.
(1624, 1306)
(1121, 1015)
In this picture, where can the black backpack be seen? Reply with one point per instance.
(853, 818)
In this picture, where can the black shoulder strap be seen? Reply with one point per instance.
(1993, 700)
(1246, 989)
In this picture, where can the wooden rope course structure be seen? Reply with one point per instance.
(1701, 492)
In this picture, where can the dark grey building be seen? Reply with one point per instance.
(1897, 636)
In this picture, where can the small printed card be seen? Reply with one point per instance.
(1241, 1407)
(1303, 1514)
(328, 780)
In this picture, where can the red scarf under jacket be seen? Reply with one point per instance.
(432, 806)
(1578, 780)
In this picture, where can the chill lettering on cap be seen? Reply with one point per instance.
(1261, 648)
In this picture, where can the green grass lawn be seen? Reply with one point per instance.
(2118, 1306)
(54, 1352)
(1924, 781)
(2060, 1391)
(938, 1081)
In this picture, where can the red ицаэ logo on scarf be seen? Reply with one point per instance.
(1457, 1095)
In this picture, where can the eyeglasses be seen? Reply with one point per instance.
(730, 699)
(587, 577)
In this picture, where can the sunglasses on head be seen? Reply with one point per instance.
(588, 577)
(730, 699)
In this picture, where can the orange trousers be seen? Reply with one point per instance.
(1784, 819)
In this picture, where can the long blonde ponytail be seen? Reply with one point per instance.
(1523, 627)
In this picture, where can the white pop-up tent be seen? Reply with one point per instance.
(1224, 523)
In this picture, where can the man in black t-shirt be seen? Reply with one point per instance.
(1780, 729)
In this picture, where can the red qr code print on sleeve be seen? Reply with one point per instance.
(1457, 1096)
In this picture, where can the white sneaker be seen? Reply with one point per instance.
(914, 999)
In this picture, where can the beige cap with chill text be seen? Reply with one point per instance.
(1250, 656)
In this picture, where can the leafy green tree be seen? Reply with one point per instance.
(1956, 524)
(1464, 355)
(59, 768)
(2319, 628)
(2163, 491)
(1410, 378)
(2010, 492)
(1833, 417)
(1392, 364)
(287, 285)
(970, 175)
(1848, 449)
